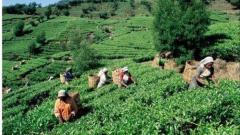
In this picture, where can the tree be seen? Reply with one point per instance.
(48, 12)
(41, 38)
(32, 22)
(83, 56)
(132, 4)
(31, 8)
(179, 25)
(56, 12)
(103, 15)
(33, 48)
(15, 9)
(62, 5)
(18, 28)
(66, 12)
(115, 5)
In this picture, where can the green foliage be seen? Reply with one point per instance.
(179, 25)
(66, 12)
(223, 41)
(159, 104)
(183, 58)
(18, 28)
(148, 5)
(48, 12)
(41, 38)
(132, 4)
(34, 48)
(29, 9)
(83, 56)
(33, 23)
(103, 15)
(40, 18)
(56, 12)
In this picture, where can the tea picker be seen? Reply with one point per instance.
(103, 77)
(204, 73)
(126, 78)
(65, 108)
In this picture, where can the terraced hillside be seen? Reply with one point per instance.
(160, 103)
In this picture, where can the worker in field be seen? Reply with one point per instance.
(126, 78)
(68, 75)
(65, 107)
(103, 77)
(204, 74)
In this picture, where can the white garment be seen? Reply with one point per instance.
(125, 77)
(206, 73)
(206, 60)
(125, 69)
(102, 80)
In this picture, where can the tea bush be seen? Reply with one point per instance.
(41, 38)
(18, 28)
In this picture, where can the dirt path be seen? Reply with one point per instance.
(224, 6)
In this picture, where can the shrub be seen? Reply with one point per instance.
(66, 13)
(32, 23)
(115, 5)
(103, 15)
(40, 18)
(33, 48)
(31, 8)
(15, 9)
(41, 38)
(132, 4)
(18, 28)
(148, 5)
(179, 25)
(56, 12)
(48, 12)
(62, 5)
(83, 56)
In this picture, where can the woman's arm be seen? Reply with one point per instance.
(122, 83)
(199, 79)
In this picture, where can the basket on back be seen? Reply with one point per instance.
(62, 78)
(116, 76)
(75, 96)
(190, 70)
(93, 81)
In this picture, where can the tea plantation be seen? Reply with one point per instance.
(160, 102)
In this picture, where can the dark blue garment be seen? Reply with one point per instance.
(68, 76)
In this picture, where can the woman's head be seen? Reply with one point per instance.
(209, 65)
(62, 94)
(207, 62)
(105, 70)
(125, 69)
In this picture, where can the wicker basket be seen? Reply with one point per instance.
(93, 81)
(116, 76)
(62, 78)
(190, 70)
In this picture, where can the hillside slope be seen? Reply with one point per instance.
(159, 104)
